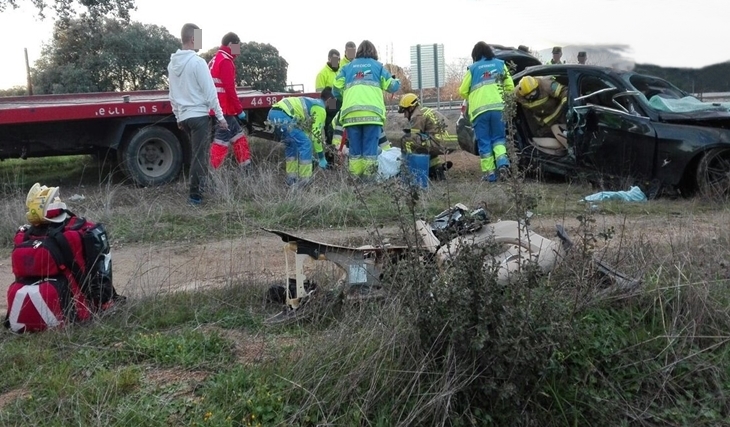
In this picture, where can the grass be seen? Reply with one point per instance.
(446, 348)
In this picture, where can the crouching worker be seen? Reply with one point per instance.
(426, 134)
(62, 266)
(545, 98)
(298, 122)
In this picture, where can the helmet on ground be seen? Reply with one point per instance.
(407, 101)
(527, 85)
(44, 205)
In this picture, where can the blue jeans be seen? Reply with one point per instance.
(363, 148)
(490, 135)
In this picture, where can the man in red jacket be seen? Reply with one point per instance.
(223, 71)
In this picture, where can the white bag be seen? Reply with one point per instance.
(389, 163)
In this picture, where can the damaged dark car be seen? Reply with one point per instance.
(622, 128)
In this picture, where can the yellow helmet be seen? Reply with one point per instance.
(527, 85)
(407, 101)
(44, 205)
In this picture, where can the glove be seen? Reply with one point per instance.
(322, 161)
(242, 116)
(345, 151)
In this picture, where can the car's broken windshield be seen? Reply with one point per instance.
(653, 86)
(664, 97)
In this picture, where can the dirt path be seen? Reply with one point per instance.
(148, 269)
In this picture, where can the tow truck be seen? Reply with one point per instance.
(136, 129)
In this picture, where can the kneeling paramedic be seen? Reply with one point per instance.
(426, 134)
(298, 123)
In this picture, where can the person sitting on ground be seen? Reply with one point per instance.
(425, 135)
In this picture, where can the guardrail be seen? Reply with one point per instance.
(713, 96)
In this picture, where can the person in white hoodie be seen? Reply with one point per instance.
(192, 97)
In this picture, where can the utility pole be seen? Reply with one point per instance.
(27, 72)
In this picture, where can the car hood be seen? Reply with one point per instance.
(716, 119)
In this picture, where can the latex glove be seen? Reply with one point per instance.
(322, 161)
(242, 116)
(223, 124)
(345, 151)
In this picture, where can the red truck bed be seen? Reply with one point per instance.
(50, 108)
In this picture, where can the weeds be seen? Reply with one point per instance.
(449, 346)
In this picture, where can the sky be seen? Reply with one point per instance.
(662, 32)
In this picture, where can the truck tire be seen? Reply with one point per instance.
(152, 156)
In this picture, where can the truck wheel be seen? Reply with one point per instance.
(152, 156)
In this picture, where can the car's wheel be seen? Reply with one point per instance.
(152, 156)
(713, 173)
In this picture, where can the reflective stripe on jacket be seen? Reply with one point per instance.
(223, 70)
(484, 84)
(304, 109)
(548, 106)
(360, 84)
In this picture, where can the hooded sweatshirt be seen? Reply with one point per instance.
(192, 93)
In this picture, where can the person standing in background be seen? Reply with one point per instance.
(483, 86)
(557, 55)
(326, 79)
(350, 52)
(192, 96)
(223, 71)
(360, 84)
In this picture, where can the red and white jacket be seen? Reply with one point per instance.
(223, 71)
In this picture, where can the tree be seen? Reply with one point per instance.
(454, 75)
(14, 91)
(402, 75)
(259, 66)
(92, 54)
(65, 8)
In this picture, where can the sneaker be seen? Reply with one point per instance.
(195, 200)
(290, 181)
(490, 177)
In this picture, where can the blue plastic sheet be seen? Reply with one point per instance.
(634, 194)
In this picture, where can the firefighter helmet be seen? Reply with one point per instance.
(527, 85)
(44, 205)
(407, 101)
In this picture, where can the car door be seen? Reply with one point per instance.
(613, 137)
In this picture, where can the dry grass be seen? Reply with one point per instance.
(554, 350)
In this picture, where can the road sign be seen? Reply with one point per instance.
(428, 67)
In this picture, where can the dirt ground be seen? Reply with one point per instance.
(149, 269)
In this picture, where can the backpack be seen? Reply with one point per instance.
(63, 275)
